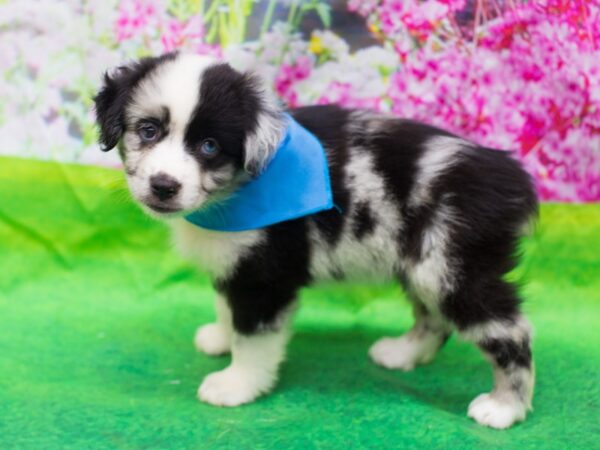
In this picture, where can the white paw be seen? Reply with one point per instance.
(234, 386)
(497, 411)
(402, 353)
(212, 339)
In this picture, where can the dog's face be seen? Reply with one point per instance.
(188, 129)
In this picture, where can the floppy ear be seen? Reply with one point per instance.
(110, 106)
(269, 126)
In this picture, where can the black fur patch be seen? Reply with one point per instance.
(115, 94)
(364, 223)
(494, 198)
(417, 220)
(227, 111)
(328, 124)
(397, 150)
(479, 299)
(268, 279)
(504, 352)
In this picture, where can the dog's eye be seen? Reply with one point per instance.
(148, 132)
(209, 147)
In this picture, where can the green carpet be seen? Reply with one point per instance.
(97, 317)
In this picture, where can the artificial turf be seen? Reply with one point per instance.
(97, 316)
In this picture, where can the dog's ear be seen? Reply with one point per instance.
(269, 126)
(110, 105)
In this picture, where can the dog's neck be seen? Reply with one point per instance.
(294, 183)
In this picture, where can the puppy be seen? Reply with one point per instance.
(414, 204)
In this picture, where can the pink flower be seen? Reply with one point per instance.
(176, 35)
(289, 74)
(135, 16)
(531, 84)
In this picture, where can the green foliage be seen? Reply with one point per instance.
(226, 21)
(300, 8)
(182, 9)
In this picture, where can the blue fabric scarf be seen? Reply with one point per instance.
(294, 184)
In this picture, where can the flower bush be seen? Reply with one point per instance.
(524, 77)
(509, 74)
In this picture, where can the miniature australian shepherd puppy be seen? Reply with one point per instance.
(417, 205)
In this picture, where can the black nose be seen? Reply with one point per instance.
(163, 186)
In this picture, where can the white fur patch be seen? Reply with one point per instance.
(506, 380)
(215, 178)
(433, 275)
(213, 251)
(262, 143)
(510, 400)
(516, 331)
(253, 370)
(215, 338)
(212, 339)
(168, 157)
(418, 346)
(234, 385)
(375, 256)
(176, 85)
(440, 153)
(407, 351)
(497, 411)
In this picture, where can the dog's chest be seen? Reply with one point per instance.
(214, 252)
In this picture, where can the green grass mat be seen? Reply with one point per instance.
(97, 317)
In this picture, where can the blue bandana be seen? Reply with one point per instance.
(294, 184)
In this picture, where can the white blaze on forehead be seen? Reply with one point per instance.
(174, 85)
(170, 90)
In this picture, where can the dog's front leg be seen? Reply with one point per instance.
(255, 359)
(215, 338)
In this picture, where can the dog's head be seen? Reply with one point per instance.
(188, 129)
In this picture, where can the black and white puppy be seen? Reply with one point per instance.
(440, 215)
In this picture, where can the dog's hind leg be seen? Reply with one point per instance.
(215, 338)
(486, 311)
(506, 343)
(418, 346)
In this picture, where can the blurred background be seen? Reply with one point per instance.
(511, 74)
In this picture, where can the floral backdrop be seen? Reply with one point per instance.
(510, 74)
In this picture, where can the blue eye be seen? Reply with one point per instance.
(148, 132)
(209, 147)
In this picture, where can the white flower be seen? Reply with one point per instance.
(377, 57)
(328, 41)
